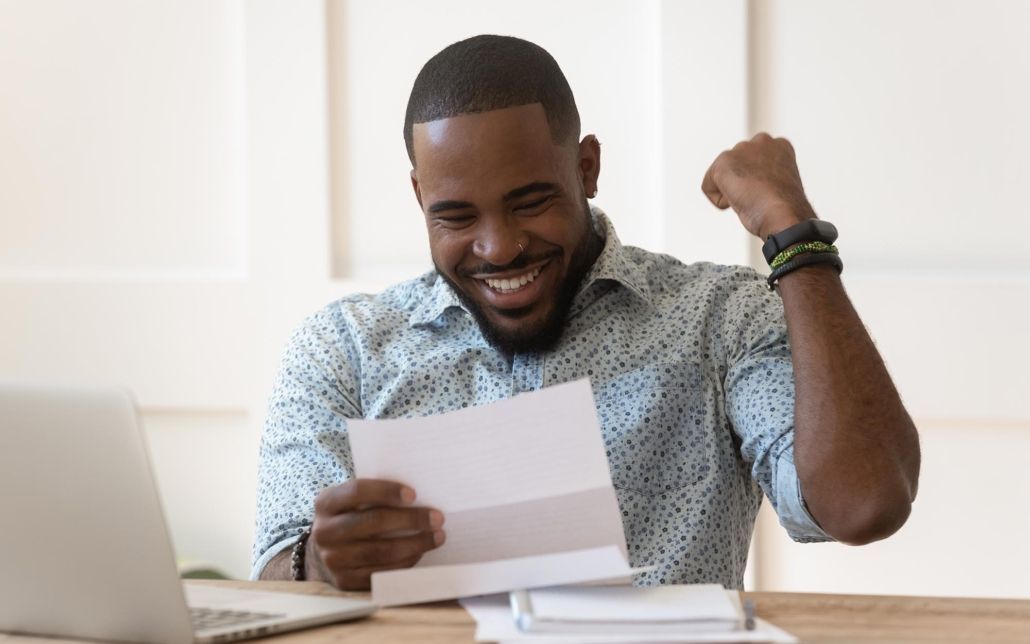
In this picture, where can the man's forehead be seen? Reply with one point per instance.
(485, 153)
(524, 123)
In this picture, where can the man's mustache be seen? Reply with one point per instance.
(522, 261)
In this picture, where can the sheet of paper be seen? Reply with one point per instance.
(532, 446)
(433, 583)
(520, 478)
(494, 623)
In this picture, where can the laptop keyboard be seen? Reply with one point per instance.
(204, 618)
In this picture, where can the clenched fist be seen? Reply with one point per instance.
(759, 179)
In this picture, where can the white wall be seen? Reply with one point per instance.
(910, 123)
(180, 183)
(94, 99)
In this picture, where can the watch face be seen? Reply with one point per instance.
(824, 229)
(808, 230)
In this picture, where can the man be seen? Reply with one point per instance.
(710, 388)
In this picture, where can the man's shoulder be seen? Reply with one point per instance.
(665, 273)
(401, 298)
(363, 311)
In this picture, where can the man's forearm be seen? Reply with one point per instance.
(855, 446)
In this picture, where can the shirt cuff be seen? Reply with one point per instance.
(790, 504)
(266, 556)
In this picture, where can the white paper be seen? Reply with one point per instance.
(494, 623)
(679, 603)
(516, 480)
(433, 583)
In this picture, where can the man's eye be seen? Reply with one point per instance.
(532, 205)
(456, 221)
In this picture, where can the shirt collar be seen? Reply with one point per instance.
(436, 302)
(612, 265)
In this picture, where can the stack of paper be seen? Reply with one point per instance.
(524, 487)
(606, 615)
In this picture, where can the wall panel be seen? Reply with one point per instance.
(908, 126)
(95, 98)
(966, 537)
(909, 122)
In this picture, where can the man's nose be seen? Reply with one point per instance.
(499, 242)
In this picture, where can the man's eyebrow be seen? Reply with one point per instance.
(511, 195)
(530, 188)
(440, 206)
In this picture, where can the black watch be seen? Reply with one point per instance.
(810, 230)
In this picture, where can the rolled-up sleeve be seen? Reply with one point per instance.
(304, 446)
(759, 389)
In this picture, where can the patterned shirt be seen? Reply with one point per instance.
(691, 374)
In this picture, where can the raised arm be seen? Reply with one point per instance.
(855, 446)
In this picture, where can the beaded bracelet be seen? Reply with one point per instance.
(805, 247)
(297, 555)
(808, 259)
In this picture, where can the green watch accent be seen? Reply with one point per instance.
(804, 247)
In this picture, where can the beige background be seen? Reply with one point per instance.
(181, 183)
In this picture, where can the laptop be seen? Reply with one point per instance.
(85, 550)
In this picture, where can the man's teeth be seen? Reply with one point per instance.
(514, 283)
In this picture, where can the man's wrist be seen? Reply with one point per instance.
(779, 218)
(781, 224)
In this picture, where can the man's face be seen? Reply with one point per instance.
(509, 226)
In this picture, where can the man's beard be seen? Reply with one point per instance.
(546, 334)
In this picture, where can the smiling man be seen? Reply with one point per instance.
(516, 273)
(712, 390)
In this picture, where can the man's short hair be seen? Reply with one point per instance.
(486, 73)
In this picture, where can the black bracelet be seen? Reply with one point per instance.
(807, 259)
(297, 556)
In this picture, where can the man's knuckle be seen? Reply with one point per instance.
(357, 487)
(331, 559)
(320, 531)
(322, 501)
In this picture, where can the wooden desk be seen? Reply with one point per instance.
(812, 618)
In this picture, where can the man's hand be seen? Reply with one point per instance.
(364, 526)
(759, 179)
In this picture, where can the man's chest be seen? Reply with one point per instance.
(659, 408)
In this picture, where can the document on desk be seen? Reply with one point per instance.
(495, 623)
(524, 487)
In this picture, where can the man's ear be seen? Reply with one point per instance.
(589, 163)
(414, 186)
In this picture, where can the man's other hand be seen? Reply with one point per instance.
(366, 525)
(759, 179)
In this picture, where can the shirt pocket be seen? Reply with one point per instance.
(654, 427)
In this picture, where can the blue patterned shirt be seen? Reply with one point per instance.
(691, 374)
